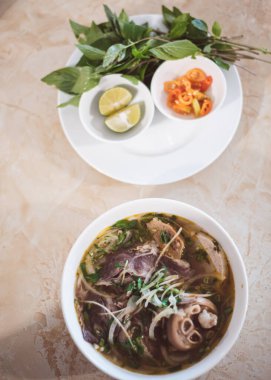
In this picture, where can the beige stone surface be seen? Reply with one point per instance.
(48, 194)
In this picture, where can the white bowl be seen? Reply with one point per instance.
(170, 70)
(93, 121)
(167, 206)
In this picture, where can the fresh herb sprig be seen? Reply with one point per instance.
(119, 45)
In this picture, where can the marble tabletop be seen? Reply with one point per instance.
(48, 194)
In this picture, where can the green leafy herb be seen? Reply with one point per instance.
(119, 45)
(175, 50)
(73, 101)
(139, 283)
(138, 345)
(200, 25)
(118, 265)
(131, 286)
(92, 53)
(131, 78)
(93, 277)
(201, 255)
(216, 29)
(126, 224)
(179, 26)
(73, 80)
(165, 237)
(133, 32)
(116, 53)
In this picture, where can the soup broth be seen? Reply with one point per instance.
(154, 293)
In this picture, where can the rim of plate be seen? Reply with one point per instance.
(185, 210)
(137, 181)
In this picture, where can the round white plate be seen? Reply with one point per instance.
(166, 152)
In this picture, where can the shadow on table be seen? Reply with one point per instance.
(44, 350)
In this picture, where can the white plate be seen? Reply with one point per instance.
(166, 152)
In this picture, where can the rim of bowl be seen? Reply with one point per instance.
(192, 120)
(124, 138)
(155, 205)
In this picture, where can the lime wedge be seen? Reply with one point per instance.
(113, 100)
(125, 119)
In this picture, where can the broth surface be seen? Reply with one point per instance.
(154, 293)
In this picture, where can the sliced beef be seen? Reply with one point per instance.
(176, 266)
(136, 261)
(216, 255)
(162, 233)
(93, 321)
(113, 265)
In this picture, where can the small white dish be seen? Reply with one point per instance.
(164, 206)
(171, 70)
(94, 122)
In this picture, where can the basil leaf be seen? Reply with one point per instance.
(177, 12)
(216, 29)
(94, 33)
(123, 17)
(131, 78)
(93, 277)
(78, 29)
(179, 26)
(115, 53)
(133, 32)
(142, 71)
(165, 237)
(207, 48)
(168, 16)
(92, 53)
(73, 101)
(222, 46)
(86, 35)
(200, 25)
(73, 80)
(63, 79)
(112, 18)
(224, 65)
(175, 50)
(86, 80)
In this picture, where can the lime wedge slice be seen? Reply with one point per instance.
(113, 100)
(125, 119)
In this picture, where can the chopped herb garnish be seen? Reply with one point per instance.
(126, 224)
(100, 249)
(121, 238)
(118, 265)
(165, 237)
(201, 255)
(139, 283)
(138, 345)
(90, 277)
(165, 302)
(131, 286)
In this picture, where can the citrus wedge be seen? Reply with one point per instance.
(124, 119)
(113, 100)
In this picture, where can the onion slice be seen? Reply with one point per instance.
(166, 313)
(116, 320)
